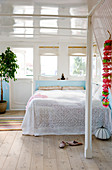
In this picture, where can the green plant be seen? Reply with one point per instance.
(8, 67)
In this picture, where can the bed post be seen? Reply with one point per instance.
(88, 105)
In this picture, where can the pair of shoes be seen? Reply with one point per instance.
(62, 144)
(73, 143)
(70, 143)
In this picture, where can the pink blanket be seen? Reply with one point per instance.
(35, 96)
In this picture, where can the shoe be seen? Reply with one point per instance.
(62, 144)
(73, 143)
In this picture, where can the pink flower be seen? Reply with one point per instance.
(105, 105)
(105, 100)
(106, 68)
(106, 74)
(105, 90)
(107, 85)
(108, 41)
(105, 95)
(106, 80)
(107, 52)
(107, 64)
(108, 47)
(106, 58)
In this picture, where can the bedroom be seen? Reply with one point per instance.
(24, 23)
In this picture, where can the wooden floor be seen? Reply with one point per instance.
(18, 152)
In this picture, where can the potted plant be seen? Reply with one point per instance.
(8, 68)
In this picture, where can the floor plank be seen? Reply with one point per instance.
(14, 153)
(37, 153)
(6, 146)
(25, 154)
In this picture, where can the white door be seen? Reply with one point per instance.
(20, 92)
(21, 89)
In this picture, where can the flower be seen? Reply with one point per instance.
(108, 41)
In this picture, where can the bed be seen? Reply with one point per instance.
(60, 112)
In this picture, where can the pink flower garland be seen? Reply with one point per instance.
(107, 68)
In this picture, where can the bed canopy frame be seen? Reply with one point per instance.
(88, 106)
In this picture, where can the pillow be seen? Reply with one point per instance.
(72, 88)
(50, 88)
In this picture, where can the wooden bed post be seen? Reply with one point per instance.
(88, 105)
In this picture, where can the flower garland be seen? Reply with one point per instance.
(107, 74)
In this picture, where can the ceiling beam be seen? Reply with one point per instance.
(34, 27)
(39, 15)
(51, 35)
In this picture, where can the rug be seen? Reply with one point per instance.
(11, 123)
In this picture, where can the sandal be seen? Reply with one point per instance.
(62, 144)
(73, 143)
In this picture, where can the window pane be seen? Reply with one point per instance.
(49, 10)
(25, 61)
(48, 23)
(79, 23)
(19, 9)
(77, 66)
(48, 65)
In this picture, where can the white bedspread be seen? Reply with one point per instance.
(60, 112)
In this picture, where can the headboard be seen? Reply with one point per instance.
(61, 83)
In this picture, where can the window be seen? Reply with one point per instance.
(19, 9)
(49, 10)
(79, 23)
(77, 65)
(48, 65)
(48, 23)
(25, 61)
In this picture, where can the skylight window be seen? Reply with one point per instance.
(23, 22)
(48, 23)
(79, 23)
(49, 10)
(21, 36)
(79, 32)
(23, 30)
(48, 31)
(18, 9)
(79, 11)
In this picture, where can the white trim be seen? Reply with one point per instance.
(88, 105)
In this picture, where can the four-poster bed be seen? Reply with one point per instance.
(64, 12)
(88, 105)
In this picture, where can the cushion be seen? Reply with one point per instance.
(72, 88)
(50, 88)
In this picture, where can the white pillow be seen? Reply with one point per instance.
(50, 88)
(72, 88)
